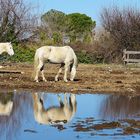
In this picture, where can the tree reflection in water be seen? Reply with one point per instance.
(120, 107)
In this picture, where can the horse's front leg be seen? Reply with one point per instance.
(60, 101)
(36, 75)
(43, 77)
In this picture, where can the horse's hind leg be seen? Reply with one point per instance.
(72, 72)
(42, 73)
(59, 71)
(40, 67)
(66, 71)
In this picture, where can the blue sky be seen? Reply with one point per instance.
(92, 8)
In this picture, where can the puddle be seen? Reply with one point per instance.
(68, 116)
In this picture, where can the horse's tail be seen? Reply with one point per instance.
(36, 62)
(73, 66)
(73, 104)
(75, 63)
(75, 60)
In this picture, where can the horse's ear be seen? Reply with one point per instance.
(10, 43)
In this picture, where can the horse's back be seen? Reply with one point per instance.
(55, 47)
(56, 50)
(56, 54)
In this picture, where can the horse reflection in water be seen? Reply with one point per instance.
(55, 115)
(6, 104)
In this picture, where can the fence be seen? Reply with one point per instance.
(127, 59)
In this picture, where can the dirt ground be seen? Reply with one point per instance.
(117, 79)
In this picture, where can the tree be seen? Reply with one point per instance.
(55, 20)
(16, 20)
(79, 25)
(123, 26)
(76, 25)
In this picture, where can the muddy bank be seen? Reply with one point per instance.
(123, 127)
(89, 79)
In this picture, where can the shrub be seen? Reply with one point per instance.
(84, 58)
(22, 54)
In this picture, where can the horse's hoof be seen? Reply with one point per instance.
(71, 79)
(66, 81)
(56, 79)
(45, 80)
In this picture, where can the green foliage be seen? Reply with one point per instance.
(79, 23)
(89, 58)
(77, 26)
(87, 39)
(54, 27)
(23, 54)
(42, 36)
(55, 20)
(57, 38)
(84, 58)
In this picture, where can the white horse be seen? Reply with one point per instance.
(6, 47)
(55, 114)
(57, 55)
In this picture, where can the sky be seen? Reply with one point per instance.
(91, 8)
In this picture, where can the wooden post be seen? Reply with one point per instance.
(124, 56)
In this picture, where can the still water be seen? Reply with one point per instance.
(26, 116)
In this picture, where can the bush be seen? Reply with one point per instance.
(23, 54)
(84, 58)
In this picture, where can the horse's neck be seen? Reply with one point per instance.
(2, 49)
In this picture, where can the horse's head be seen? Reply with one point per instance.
(9, 48)
(6, 109)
